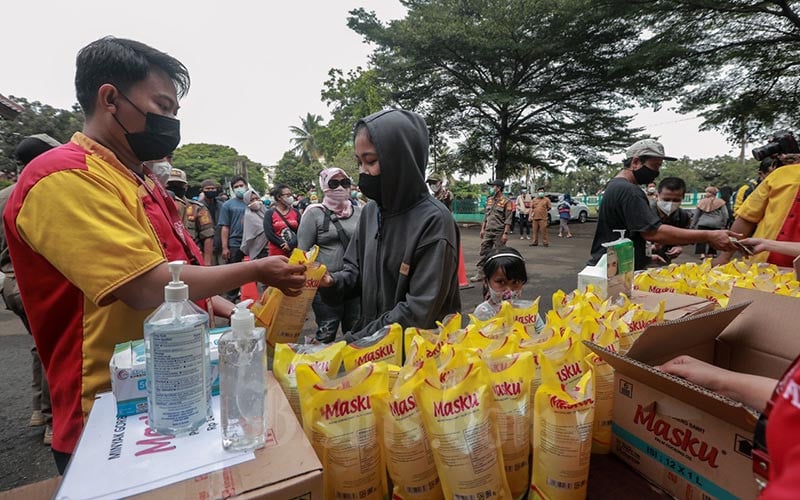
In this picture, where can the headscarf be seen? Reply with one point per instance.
(710, 203)
(253, 238)
(336, 200)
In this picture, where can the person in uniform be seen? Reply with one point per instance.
(210, 191)
(496, 224)
(440, 192)
(195, 215)
(540, 206)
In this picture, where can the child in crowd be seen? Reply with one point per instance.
(504, 275)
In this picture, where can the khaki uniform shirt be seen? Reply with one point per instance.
(498, 214)
(196, 219)
(540, 207)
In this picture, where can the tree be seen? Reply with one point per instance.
(735, 61)
(305, 137)
(213, 161)
(537, 79)
(37, 118)
(350, 98)
(718, 171)
(294, 171)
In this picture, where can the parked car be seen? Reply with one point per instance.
(578, 211)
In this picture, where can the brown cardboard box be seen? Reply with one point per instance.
(287, 467)
(676, 305)
(690, 441)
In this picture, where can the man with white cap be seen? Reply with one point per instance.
(625, 206)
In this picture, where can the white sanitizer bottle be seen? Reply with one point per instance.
(242, 366)
(178, 361)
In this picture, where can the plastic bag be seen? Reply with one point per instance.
(339, 421)
(409, 457)
(383, 345)
(562, 436)
(324, 359)
(459, 416)
(282, 316)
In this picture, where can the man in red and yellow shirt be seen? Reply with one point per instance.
(90, 230)
(772, 212)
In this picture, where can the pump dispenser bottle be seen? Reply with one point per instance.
(178, 361)
(242, 366)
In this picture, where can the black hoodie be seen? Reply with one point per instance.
(403, 260)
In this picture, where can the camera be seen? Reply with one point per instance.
(781, 142)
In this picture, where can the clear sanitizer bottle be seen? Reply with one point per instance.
(178, 361)
(242, 367)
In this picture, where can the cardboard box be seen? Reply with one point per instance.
(692, 442)
(129, 374)
(676, 305)
(287, 467)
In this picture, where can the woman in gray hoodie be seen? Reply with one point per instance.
(403, 259)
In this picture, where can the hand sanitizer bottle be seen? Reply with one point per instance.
(178, 361)
(242, 366)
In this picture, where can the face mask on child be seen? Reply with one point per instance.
(497, 296)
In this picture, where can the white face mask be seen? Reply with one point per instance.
(496, 297)
(161, 170)
(651, 190)
(289, 200)
(667, 206)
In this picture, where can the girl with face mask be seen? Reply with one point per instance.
(254, 242)
(505, 274)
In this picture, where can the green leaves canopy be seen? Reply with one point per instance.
(217, 162)
(538, 81)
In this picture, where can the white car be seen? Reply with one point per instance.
(578, 211)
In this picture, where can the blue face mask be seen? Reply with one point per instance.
(239, 192)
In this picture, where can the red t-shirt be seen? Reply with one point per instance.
(783, 438)
(278, 226)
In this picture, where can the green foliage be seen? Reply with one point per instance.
(464, 190)
(350, 98)
(718, 171)
(37, 118)
(305, 138)
(298, 174)
(213, 161)
(733, 60)
(582, 179)
(525, 82)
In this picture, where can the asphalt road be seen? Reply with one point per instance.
(24, 459)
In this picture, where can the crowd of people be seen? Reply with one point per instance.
(118, 211)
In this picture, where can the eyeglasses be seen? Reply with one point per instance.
(335, 183)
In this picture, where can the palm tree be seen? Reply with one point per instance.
(304, 140)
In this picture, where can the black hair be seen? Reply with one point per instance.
(29, 148)
(237, 179)
(509, 260)
(277, 190)
(768, 163)
(673, 184)
(361, 125)
(122, 63)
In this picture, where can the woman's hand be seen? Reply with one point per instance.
(326, 281)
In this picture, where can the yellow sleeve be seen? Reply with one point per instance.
(753, 208)
(93, 232)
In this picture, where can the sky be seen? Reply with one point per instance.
(256, 67)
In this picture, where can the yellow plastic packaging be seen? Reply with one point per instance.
(409, 456)
(603, 388)
(282, 316)
(511, 377)
(324, 359)
(383, 345)
(343, 429)
(562, 437)
(459, 417)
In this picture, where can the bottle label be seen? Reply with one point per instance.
(179, 395)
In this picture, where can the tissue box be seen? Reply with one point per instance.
(129, 376)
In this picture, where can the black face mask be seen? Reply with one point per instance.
(179, 190)
(645, 175)
(210, 194)
(161, 135)
(370, 186)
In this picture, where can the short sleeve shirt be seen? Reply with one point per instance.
(79, 225)
(232, 215)
(624, 206)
